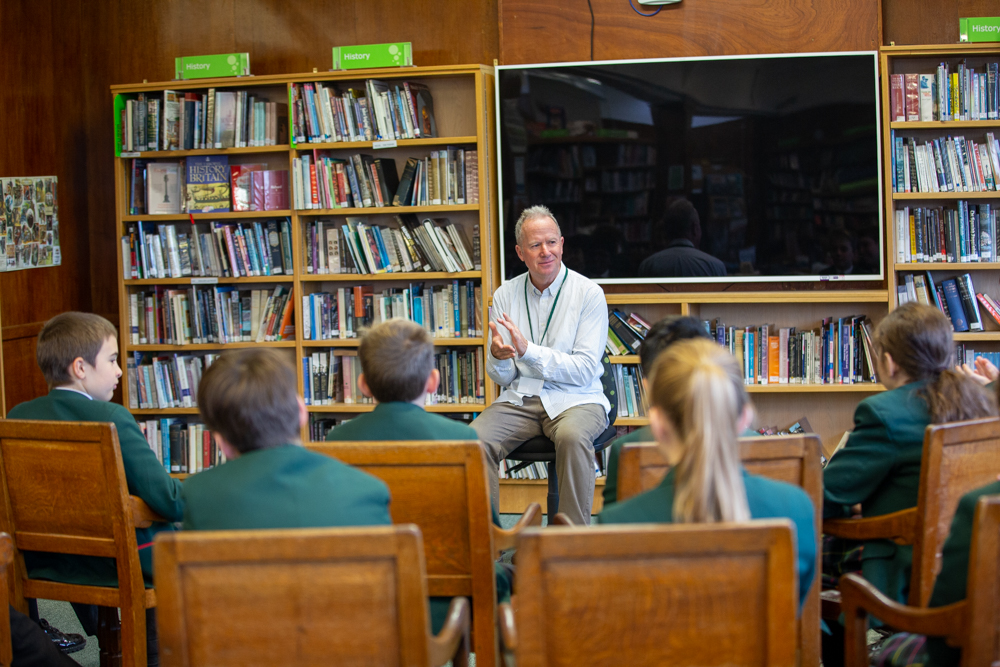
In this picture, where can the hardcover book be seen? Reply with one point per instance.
(164, 188)
(240, 182)
(208, 183)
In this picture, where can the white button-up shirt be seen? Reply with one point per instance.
(569, 358)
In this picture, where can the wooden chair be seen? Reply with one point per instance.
(6, 560)
(63, 491)
(442, 487)
(794, 459)
(958, 457)
(709, 594)
(312, 596)
(972, 625)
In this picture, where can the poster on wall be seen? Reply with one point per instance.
(29, 223)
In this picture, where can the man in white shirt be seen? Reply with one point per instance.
(549, 328)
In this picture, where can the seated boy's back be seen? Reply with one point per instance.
(397, 362)
(248, 400)
(78, 355)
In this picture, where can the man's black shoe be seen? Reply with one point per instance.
(65, 642)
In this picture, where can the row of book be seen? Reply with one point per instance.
(966, 233)
(191, 120)
(945, 164)
(955, 297)
(965, 354)
(445, 311)
(204, 315)
(958, 93)
(631, 392)
(321, 113)
(625, 332)
(331, 377)
(181, 446)
(411, 247)
(165, 381)
(538, 470)
(839, 351)
(205, 184)
(446, 177)
(259, 248)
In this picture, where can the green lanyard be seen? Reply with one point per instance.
(531, 328)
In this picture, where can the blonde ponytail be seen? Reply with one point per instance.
(698, 387)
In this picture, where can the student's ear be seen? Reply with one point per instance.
(227, 449)
(78, 368)
(433, 380)
(363, 386)
(303, 412)
(660, 425)
(746, 418)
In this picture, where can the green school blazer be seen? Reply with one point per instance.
(644, 434)
(145, 475)
(401, 421)
(879, 467)
(768, 499)
(951, 584)
(284, 487)
(406, 421)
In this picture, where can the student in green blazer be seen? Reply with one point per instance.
(248, 400)
(397, 370)
(78, 355)
(879, 467)
(699, 407)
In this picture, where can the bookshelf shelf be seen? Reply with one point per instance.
(916, 196)
(943, 124)
(464, 118)
(206, 217)
(208, 280)
(410, 276)
(383, 210)
(208, 151)
(624, 359)
(354, 342)
(368, 407)
(982, 336)
(400, 143)
(948, 266)
(862, 387)
(632, 421)
(207, 346)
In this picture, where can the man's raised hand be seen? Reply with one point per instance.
(498, 348)
(518, 340)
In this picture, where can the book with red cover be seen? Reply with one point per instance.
(240, 183)
(897, 104)
(275, 190)
(911, 91)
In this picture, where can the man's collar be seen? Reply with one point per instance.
(561, 275)
(680, 243)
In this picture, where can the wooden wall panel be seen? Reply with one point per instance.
(929, 21)
(535, 31)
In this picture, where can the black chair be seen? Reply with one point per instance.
(541, 449)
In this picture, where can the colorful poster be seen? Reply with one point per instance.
(29, 223)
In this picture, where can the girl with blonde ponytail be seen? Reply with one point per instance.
(698, 408)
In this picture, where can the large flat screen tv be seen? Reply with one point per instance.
(758, 168)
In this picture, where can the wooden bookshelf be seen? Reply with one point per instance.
(985, 275)
(463, 109)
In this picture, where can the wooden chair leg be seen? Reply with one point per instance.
(552, 501)
(109, 637)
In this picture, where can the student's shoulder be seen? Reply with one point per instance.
(449, 429)
(653, 506)
(967, 504)
(899, 399)
(771, 497)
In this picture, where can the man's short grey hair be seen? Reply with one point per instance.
(533, 213)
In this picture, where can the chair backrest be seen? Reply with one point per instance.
(63, 490)
(983, 645)
(794, 459)
(348, 596)
(6, 560)
(718, 594)
(441, 487)
(610, 388)
(958, 457)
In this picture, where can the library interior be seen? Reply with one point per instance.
(289, 374)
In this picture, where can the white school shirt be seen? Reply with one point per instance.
(569, 359)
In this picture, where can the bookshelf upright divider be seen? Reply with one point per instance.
(462, 107)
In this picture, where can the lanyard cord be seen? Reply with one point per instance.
(531, 328)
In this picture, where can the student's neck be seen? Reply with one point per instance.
(420, 402)
(74, 386)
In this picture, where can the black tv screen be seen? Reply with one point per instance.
(727, 169)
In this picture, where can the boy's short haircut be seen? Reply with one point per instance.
(66, 337)
(397, 357)
(665, 333)
(250, 397)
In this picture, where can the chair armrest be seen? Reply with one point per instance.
(900, 527)
(508, 631)
(561, 519)
(143, 515)
(504, 539)
(859, 599)
(452, 643)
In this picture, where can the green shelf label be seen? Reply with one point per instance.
(979, 29)
(398, 54)
(209, 67)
